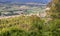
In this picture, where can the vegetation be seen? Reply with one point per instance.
(29, 26)
(32, 25)
(55, 9)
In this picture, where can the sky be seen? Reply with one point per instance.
(26, 1)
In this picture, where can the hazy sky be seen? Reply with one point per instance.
(37, 1)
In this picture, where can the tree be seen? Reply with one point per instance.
(55, 8)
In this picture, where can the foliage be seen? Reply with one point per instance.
(29, 26)
(55, 8)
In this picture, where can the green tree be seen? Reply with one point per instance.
(55, 8)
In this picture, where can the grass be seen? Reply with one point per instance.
(29, 26)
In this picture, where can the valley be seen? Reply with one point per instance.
(7, 10)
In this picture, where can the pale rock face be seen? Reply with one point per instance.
(47, 8)
(43, 14)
